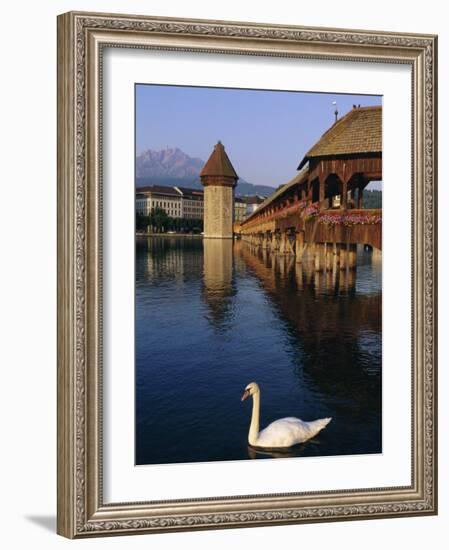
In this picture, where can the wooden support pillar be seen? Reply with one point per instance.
(328, 253)
(343, 281)
(290, 264)
(281, 265)
(319, 257)
(283, 244)
(344, 256)
(336, 249)
(299, 246)
(291, 247)
(264, 255)
(321, 189)
(351, 280)
(344, 195)
(360, 198)
(335, 264)
(286, 243)
(329, 279)
(351, 198)
(308, 255)
(352, 256)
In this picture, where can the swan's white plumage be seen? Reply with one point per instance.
(282, 433)
(289, 431)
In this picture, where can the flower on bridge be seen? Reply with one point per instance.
(311, 212)
(349, 219)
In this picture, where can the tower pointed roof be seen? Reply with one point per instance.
(219, 164)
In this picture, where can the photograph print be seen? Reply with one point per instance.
(258, 274)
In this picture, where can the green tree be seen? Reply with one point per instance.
(141, 221)
(160, 219)
(372, 198)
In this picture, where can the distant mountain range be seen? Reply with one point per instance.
(172, 163)
(172, 166)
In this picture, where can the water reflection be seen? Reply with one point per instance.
(213, 315)
(334, 329)
(219, 286)
(297, 450)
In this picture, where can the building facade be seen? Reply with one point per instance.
(239, 209)
(158, 196)
(192, 201)
(252, 203)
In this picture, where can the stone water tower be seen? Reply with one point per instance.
(219, 179)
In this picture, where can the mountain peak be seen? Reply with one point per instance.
(169, 162)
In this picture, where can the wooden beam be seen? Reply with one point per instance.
(360, 198)
(344, 194)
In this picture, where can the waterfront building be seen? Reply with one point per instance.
(142, 206)
(159, 196)
(219, 180)
(240, 209)
(192, 201)
(252, 203)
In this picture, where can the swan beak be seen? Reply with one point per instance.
(245, 395)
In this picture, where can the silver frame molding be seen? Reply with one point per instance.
(81, 38)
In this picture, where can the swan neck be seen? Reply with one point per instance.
(254, 426)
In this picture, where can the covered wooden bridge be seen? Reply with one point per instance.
(319, 214)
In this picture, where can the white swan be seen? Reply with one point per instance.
(282, 433)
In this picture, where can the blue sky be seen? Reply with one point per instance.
(265, 133)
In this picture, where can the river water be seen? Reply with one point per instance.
(212, 316)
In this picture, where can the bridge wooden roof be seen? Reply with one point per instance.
(219, 164)
(299, 178)
(357, 132)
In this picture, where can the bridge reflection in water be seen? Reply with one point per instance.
(213, 315)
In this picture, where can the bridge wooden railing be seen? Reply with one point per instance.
(320, 226)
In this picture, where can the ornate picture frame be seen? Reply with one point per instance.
(82, 38)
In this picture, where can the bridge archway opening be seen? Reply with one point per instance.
(356, 185)
(332, 190)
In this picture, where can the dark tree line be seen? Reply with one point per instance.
(158, 221)
(372, 198)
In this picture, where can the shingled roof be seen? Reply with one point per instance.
(158, 190)
(358, 132)
(219, 164)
